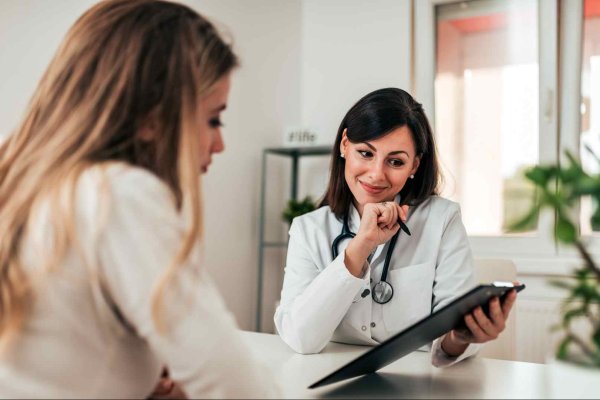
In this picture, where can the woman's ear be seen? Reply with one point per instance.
(344, 143)
(145, 133)
(148, 129)
(416, 163)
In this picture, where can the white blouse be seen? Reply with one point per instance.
(91, 333)
(321, 300)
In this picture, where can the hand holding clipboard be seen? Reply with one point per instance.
(483, 324)
(448, 318)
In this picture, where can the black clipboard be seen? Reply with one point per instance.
(420, 333)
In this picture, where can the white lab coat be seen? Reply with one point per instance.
(321, 300)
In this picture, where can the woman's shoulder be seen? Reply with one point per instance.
(124, 177)
(319, 218)
(440, 202)
(123, 186)
(314, 228)
(437, 205)
(321, 214)
(124, 180)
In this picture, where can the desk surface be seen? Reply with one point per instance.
(413, 376)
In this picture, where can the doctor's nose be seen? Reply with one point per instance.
(376, 171)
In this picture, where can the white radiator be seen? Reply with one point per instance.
(534, 319)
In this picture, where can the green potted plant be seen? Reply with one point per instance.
(559, 188)
(296, 208)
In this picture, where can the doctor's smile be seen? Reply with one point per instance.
(372, 189)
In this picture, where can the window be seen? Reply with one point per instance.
(590, 102)
(486, 72)
(487, 129)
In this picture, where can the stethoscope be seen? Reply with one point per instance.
(382, 291)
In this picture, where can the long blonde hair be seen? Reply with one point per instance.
(119, 63)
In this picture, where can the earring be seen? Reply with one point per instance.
(412, 177)
(342, 155)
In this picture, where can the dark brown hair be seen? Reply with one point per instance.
(375, 115)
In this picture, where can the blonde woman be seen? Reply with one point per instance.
(102, 283)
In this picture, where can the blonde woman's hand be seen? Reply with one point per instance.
(167, 388)
(379, 222)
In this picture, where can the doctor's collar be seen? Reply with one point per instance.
(353, 218)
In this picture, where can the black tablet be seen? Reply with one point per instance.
(420, 333)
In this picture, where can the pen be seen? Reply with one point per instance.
(403, 227)
(402, 224)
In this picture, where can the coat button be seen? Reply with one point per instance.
(364, 328)
(373, 325)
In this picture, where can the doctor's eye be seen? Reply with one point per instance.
(365, 153)
(396, 162)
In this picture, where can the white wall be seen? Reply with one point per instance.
(265, 98)
(30, 32)
(349, 48)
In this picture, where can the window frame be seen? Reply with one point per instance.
(523, 246)
(571, 62)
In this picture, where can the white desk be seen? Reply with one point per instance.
(412, 376)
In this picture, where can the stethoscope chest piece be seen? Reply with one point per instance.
(382, 292)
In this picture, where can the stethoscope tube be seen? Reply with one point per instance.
(382, 292)
(346, 234)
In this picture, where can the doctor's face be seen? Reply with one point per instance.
(209, 122)
(377, 170)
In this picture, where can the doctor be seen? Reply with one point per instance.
(354, 274)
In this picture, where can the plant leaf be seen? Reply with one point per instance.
(586, 185)
(592, 152)
(571, 174)
(572, 158)
(595, 220)
(565, 230)
(569, 315)
(527, 221)
(296, 208)
(561, 284)
(540, 175)
(596, 339)
(562, 351)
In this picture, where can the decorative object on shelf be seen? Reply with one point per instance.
(559, 188)
(300, 136)
(295, 208)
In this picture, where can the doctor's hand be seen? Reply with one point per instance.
(480, 328)
(379, 222)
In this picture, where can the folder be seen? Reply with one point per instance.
(423, 332)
